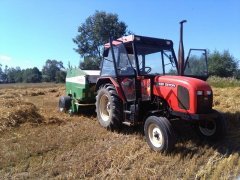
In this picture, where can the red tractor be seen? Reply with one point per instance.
(142, 82)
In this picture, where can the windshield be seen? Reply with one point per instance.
(154, 60)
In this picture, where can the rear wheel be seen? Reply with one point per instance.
(64, 103)
(159, 134)
(109, 107)
(213, 129)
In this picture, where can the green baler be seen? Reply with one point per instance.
(80, 89)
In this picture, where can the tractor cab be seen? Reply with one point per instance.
(135, 55)
(139, 56)
(134, 61)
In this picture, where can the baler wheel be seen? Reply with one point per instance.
(64, 103)
(109, 107)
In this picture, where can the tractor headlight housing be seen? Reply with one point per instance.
(199, 93)
(208, 93)
(204, 101)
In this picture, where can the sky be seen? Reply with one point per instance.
(33, 31)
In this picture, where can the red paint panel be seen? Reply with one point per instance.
(128, 87)
(146, 89)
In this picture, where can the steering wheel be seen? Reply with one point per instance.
(147, 69)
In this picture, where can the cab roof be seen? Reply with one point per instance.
(141, 39)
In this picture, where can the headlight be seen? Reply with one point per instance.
(199, 93)
(209, 93)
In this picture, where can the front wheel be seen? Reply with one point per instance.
(159, 134)
(213, 129)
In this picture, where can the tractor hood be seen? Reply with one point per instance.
(188, 82)
(184, 94)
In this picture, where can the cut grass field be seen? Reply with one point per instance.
(38, 142)
(223, 82)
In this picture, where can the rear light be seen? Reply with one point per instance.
(199, 93)
(209, 93)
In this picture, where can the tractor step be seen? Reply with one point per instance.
(128, 112)
(92, 104)
(127, 123)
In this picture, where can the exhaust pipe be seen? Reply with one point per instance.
(181, 51)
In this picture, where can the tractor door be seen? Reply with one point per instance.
(126, 74)
(118, 64)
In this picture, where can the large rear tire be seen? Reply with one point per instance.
(213, 129)
(109, 107)
(159, 134)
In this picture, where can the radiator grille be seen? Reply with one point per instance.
(183, 98)
(204, 104)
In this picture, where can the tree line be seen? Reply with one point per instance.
(223, 64)
(52, 71)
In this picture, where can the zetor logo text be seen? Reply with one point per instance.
(166, 84)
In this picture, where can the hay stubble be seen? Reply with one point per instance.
(39, 142)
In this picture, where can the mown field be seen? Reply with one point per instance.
(38, 142)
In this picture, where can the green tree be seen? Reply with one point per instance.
(237, 74)
(32, 75)
(50, 70)
(60, 76)
(2, 75)
(10, 74)
(94, 33)
(222, 64)
(17, 75)
(89, 63)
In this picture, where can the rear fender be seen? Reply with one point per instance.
(107, 80)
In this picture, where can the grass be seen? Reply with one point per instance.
(30, 85)
(223, 82)
(58, 146)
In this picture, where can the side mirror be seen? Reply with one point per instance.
(105, 52)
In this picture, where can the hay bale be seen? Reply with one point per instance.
(8, 94)
(37, 93)
(55, 120)
(52, 90)
(15, 112)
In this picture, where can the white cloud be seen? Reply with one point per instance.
(5, 59)
(9, 61)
